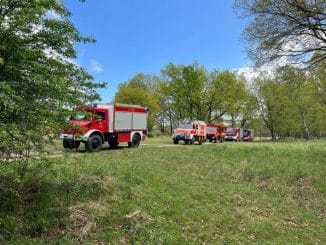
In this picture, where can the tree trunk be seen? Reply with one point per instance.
(306, 133)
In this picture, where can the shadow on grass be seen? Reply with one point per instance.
(104, 148)
(51, 210)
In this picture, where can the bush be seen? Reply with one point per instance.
(150, 134)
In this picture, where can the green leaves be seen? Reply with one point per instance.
(39, 83)
(140, 90)
(290, 105)
(195, 93)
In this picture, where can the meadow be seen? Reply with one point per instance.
(160, 193)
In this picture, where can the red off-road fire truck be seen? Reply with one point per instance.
(115, 124)
(248, 134)
(216, 132)
(234, 134)
(190, 132)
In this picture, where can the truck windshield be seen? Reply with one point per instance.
(231, 130)
(211, 129)
(185, 125)
(83, 116)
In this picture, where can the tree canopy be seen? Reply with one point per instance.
(291, 30)
(289, 104)
(38, 79)
(140, 90)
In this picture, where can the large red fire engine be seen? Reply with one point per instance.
(234, 133)
(216, 132)
(190, 132)
(117, 123)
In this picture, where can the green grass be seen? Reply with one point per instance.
(260, 192)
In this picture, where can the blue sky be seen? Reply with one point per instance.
(135, 36)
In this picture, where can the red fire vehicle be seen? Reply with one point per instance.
(234, 133)
(190, 132)
(248, 134)
(216, 132)
(117, 123)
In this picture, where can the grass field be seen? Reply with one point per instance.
(160, 193)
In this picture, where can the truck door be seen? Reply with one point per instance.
(100, 121)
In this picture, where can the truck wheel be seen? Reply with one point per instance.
(175, 141)
(200, 140)
(94, 143)
(135, 141)
(192, 141)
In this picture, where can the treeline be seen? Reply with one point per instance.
(291, 103)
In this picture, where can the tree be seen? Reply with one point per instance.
(292, 103)
(319, 74)
(271, 102)
(226, 94)
(186, 84)
(140, 90)
(39, 83)
(166, 115)
(290, 29)
(304, 89)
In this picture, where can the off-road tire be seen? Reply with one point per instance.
(135, 141)
(192, 141)
(94, 143)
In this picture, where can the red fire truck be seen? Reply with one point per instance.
(190, 132)
(234, 133)
(117, 123)
(248, 134)
(216, 132)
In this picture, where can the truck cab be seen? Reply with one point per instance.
(233, 134)
(248, 135)
(190, 132)
(215, 132)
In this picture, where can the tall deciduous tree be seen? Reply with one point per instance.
(38, 80)
(270, 98)
(187, 85)
(303, 95)
(226, 95)
(295, 29)
(292, 103)
(140, 90)
(166, 115)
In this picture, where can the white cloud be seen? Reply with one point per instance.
(251, 73)
(95, 66)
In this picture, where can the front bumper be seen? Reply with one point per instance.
(211, 137)
(230, 138)
(73, 137)
(248, 138)
(180, 136)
